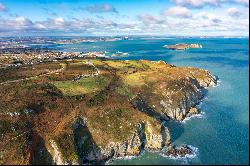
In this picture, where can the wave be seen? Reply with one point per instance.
(119, 54)
(126, 157)
(218, 83)
(200, 115)
(131, 157)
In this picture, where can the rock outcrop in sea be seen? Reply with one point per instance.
(182, 46)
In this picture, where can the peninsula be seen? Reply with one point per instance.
(91, 111)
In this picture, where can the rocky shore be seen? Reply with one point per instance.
(148, 137)
(179, 152)
(144, 138)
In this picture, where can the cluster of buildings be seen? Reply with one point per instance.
(6, 44)
(92, 39)
(23, 42)
(16, 51)
(16, 57)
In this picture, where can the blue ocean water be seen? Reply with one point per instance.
(222, 133)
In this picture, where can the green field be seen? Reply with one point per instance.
(83, 86)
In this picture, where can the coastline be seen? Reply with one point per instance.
(150, 134)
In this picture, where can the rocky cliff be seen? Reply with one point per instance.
(116, 113)
(145, 137)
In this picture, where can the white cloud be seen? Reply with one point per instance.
(149, 19)
(58, 20)
(197, 3)
(203, 3)
(234, 12)
(62, 25)
(178, 11)
(18, 23)
(40, 26)
(173, 21)
(208, 17)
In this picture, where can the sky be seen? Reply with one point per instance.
(124, 17)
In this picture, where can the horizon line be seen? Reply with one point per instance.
(246, 36)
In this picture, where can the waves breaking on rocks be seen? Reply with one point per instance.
(194, 154)
(200, 115)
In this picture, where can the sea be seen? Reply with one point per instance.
(220, 135)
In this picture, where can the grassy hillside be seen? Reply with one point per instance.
(35, 111)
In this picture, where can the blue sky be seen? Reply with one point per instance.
(124, 17)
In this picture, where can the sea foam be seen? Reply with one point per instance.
(200, 115)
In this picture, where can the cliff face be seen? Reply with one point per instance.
(176, 96)
(145, 137)
(117, 112)
(181, 104)
(57, 155)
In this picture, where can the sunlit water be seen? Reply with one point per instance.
(221, 133)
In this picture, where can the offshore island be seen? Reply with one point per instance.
(182, 46)
(90, 111)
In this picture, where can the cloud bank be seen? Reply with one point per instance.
(180, 19)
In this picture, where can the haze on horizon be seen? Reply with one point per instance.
(124, 17)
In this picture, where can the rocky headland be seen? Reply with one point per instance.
(116, 113)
